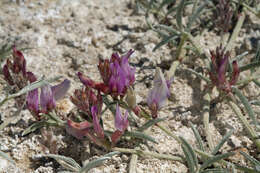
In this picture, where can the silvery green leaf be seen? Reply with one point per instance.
(66, 162)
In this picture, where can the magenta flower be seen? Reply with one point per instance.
(117, 75)
(121, 124)
(158, 95)
(49, 95)
(117, 81)
(218, 73)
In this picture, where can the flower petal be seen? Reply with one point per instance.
(33, 101)
(121, 122)
(222, 70)
(235, 73)
(7, 75)
(47, 99)
(31, 77)
(19, 61)
(60, 90)
(97, 127)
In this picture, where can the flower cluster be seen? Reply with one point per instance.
(48, 97)
(224, 14)
(117, 77)
(218, 73)
(16, 74)
(116, 73)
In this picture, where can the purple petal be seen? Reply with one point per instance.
(128, 71)
(31, 77)
(115, 57)
(169, 82)
(129, 53)
(85, 80)
(160, 92)
(235, 73)
(60, 90)
(19, 61)
(33, 101)
(7, 75)
(97, 127)
(222, 70)
(121, 122)
(117, 82)
(47, 99)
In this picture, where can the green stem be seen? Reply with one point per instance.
(179, 58)
(223, 162)
(148, 153)
(253, 135)
(207, 130)
(235, 33)
(4, 100)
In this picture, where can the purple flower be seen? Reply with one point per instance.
(117, 82)
(33, 102)
(121, 122)
(48, 97)
(158, 95)
(122, 74)
(97, 127)
(218, 73)
(117, 75)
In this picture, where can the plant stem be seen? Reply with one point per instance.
(206, 110)
(253, 135)
(148, 153)
(176, 63)
(235, 33)
(4, 100)
(132, 164)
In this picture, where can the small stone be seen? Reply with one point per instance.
(124, 157)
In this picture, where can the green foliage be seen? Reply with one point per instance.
(71, 165)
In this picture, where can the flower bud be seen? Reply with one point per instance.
(130, 97)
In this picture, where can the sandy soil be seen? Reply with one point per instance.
(70, 36)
